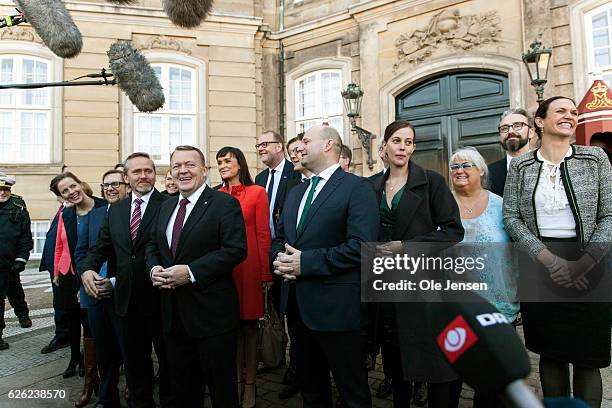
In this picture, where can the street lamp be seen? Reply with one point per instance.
(537, 61)
(352, 103)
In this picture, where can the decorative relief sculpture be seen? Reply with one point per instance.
(451, 28)
(20, 34)
(165, 43)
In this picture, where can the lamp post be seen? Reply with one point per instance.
(537, 61)
(352, 103)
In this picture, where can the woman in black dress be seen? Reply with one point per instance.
(415, 206)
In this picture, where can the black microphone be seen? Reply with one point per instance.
(135, 77)
(483, 348)
(53, 24)
(187, 13)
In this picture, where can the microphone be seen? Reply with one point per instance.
(187, 13)
(483, 348)
(135, 77)
(53, 24)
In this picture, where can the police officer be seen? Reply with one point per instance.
(14, 252)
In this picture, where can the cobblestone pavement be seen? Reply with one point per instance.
(23, 367)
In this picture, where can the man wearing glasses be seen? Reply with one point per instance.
(515, 132)
(278, 178)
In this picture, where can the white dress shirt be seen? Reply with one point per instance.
(193, 199)
(143, 206)
(325, 175)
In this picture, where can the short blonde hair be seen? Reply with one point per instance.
(470, 153)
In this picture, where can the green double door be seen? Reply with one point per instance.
(452, 111)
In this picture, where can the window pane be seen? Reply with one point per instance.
(307, 96)
(600, 20)
(180, 89)
(336, 123)
(149, 135)
(600, 38)
(34, 136)
(34, 71)
(181, 132)
(6, 77)
(602, 57)
(7, 148)
(332, 99)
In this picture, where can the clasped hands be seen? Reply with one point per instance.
(569, 273)
(171, 277)
(96, 286)
(287, 264)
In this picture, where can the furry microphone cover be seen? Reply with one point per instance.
(135, 77)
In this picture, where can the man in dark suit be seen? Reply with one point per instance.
(516, 129)
(318, 253)
(123, 238)
(198, 238)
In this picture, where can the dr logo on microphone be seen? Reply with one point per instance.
(456, 339)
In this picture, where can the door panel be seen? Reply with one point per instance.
(431, 143)
(455, 110)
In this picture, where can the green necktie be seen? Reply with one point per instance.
(314, 180)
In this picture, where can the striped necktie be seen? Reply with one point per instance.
(136, 218)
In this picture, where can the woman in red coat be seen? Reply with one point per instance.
(254, 272)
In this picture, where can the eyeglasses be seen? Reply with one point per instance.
(263, 145)
(516, 126)
(114, 184)
(466, 165)
(295, 151)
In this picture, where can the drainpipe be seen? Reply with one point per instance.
(281, 69)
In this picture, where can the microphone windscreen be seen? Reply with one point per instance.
(53, 24)
(187, 13)
(135, 77)
(479, 343)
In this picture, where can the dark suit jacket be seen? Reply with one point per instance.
(289, 179)
(497, 176)
(427, 212)
(213, 242)
(343, 215)
(133, 289)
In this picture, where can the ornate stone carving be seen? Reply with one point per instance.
(164, 43)
(451, 28)
(20, 34)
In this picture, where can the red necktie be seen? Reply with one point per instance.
(177, 228)
(136, 218)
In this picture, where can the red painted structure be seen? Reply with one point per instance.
(595, 115)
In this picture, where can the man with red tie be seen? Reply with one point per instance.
(198, 238)
(122, 240)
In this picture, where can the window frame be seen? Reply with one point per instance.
(32, 50)
(46, 225)
(292, 78)
(165, 113)
(319, 114)
(588, 21)
(128, 113)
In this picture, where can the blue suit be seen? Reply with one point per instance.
(325, 299)
(88, 230)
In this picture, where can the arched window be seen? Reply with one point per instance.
(25, 115)
(318, 99)
(158, 133)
